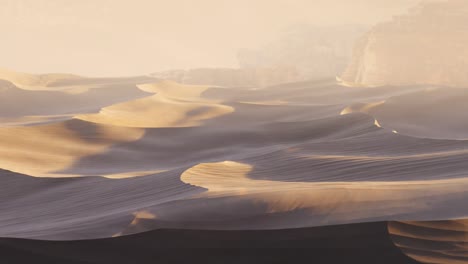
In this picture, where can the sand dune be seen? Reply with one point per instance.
(173, 105)
(46, 149)
(61, 101)
(80, 208)
(432, 242)
(130, 155)
(431, 113)
(60, 81)
(16, 102)
(34, 82)
(308, 203)
(281, 160)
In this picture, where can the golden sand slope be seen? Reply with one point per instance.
(174, 105)
(27, 107)
(330, 202)
(33, 82)
(45, 149)
(175, 90)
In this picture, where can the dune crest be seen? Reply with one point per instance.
(44, 150)
(175, 90)
(338, 202)
(34, 82)
(173, 105)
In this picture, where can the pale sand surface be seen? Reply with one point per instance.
(95, 158)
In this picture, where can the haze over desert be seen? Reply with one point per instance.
(300, 133)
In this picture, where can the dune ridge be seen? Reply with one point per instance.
(32, 81)
(44, 149)
(118, 156)
(173, 105)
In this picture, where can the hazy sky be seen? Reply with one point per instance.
(126, 37)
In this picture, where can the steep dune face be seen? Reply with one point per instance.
(45, 149)
(173, 105)
(438, 242)
(426, 46)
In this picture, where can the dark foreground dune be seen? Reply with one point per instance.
(355, 243)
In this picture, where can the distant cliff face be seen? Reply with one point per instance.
(300, 53)
(427, 46)
(316, 52)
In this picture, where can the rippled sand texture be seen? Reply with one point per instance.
(441, 242)
(95, 158)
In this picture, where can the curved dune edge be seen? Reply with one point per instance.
(19, 107)
(173, 105)
(139, 217)
(32, 120)
(157, 111)
(45, 149)
(33, 82)
(231, 176)
(132, 174)
(361, 108)
(440, 242)
(338, 202)
(170, 89)
(352, 84)
(266, 103)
